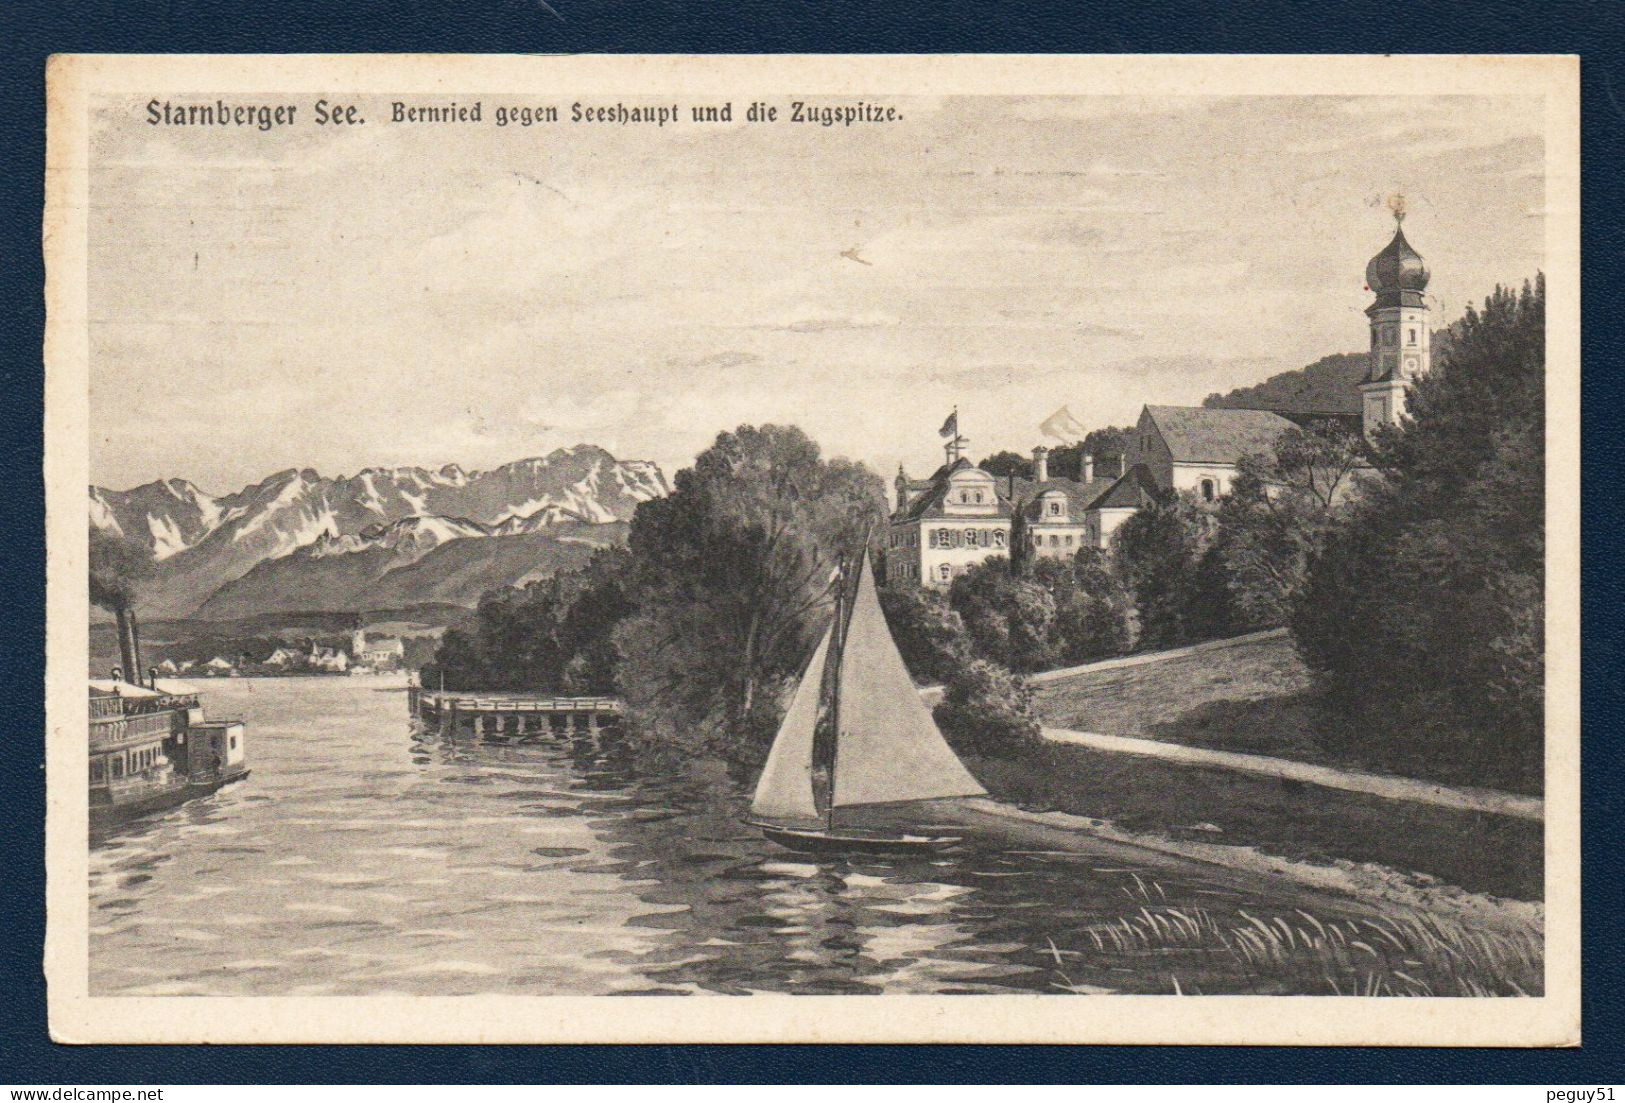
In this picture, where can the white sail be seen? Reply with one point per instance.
(784, 793)
(888, 747)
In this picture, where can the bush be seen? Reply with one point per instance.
(988, 711)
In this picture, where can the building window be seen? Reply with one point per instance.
(1069, 539)
(970, 538)
(946, 572)
(978, 497)
(1207, 490)
(1054, 541)
(998, 538)
(933, 538)
(1055, 509)
(1411, 339)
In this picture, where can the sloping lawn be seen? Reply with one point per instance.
(1255, 698)
(1504, 856)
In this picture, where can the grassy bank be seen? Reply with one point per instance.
(1255, 698)
(1481, 853)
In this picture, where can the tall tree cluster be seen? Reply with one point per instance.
(700, 622)
(1427, 600)
(733, 573)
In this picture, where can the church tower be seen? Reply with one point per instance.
(1400, 340)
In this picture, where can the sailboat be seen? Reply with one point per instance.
(879, 745)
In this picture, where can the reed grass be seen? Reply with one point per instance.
(1405, 953)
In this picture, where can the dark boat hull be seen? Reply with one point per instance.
(158, 800)
(841, 841)
(153, 800)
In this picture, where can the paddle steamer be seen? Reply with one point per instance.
(152, 748)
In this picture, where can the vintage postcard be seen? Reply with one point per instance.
(956, 549)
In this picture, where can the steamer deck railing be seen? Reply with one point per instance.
(505, 714)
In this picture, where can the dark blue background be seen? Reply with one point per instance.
(33, 29)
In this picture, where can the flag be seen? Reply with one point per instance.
(1062, 426)
(950, 428)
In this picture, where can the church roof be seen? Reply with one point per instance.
(1199, 434)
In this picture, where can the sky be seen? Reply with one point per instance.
(434, 294)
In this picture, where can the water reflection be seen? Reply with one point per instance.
(368, 855)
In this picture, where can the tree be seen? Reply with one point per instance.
(1423, 612)
(1021, 541)
(731, 577)
(1276, 516)
(1092, 607)
(118, 566)
(1008, 618)
(1166, 555)
(1107, 446)
(930, 636)
(1004, 464)
(554, 635)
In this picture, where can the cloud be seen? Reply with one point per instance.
(813, 319)
(502, 424)
(717, 361)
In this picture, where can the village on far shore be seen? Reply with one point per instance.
(361, 655)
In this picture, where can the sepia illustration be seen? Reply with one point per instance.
(624, 539)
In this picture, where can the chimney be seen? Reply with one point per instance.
(1040, 464)
(1088, 467)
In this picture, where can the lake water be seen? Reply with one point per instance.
(366, 855)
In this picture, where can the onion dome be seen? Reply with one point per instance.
(1397, 268)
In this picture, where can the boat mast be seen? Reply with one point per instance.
(839, 646)
(841, 626)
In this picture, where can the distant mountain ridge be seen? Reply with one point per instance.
(1331, 385)
(201, 542)
(455, 572)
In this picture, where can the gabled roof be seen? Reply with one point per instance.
(1080, 495)
(933, 493)
(1197, 434)
(1134, 490)
(931, 503)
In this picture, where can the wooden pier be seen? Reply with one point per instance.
(514, 715)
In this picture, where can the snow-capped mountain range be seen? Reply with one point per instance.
(201, 542)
